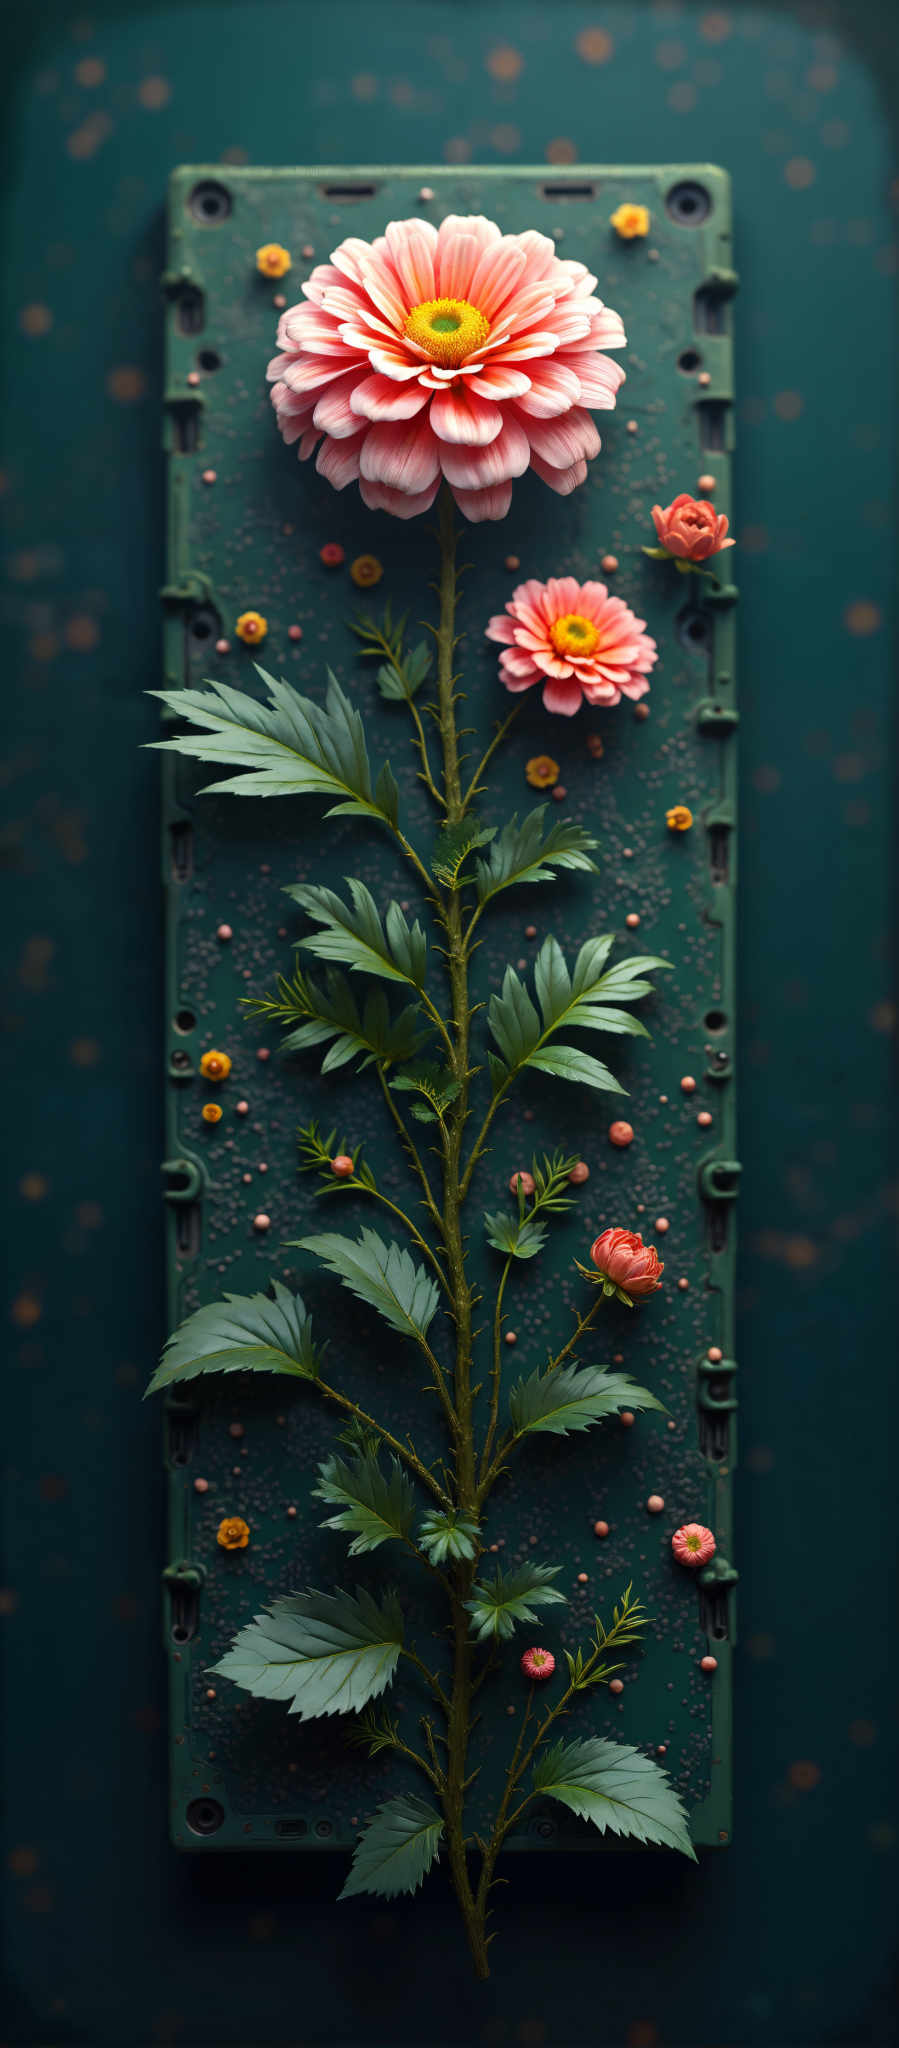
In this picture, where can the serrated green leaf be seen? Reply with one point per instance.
(365, 1032)
(617, 1788)
(497, 1605)
(586, 998)
(436, 1085)
(522, 853)
(448, 1537)
(386, 1276)
(519, 1237)
(243, 1333)
(374, 1506)
(324, 1653)
(573, 1398)
(453, 846)
(354, 934)
(396, 1850)
(289, 747)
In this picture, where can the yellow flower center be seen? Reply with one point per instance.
(573, 634)
(448, 328)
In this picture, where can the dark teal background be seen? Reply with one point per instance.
(784, 1940)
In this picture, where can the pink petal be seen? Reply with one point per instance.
(562, 480)
(397, 362)
(456, 262)
(518, 683)
(458, 414)
(501, 627)
(499, 271)
(402, 454)
(333, 413)
(480, 468)
(498, 380)
(564, 595)
(515, 663)
(489, 504)
(384, 398)
(402, 504)
(309, 373)
(413, 245)
(554, 389)
(564, 697)
(564, 441)
(339, 461)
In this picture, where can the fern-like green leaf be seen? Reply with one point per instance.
(374, 1506)
(586, 998)
(386, 1276)
(436, 1087)
(289, 747)
(324, 1653)
(573, 1398)
(621, 1791)
(243, 1333)
(363, 1031)
(498, 1604)
(396, 1850)
(355, 935)
(522, 853)
(453, 847)
(448, 1537)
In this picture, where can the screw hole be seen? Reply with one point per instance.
(180, 1061)
(209, 360)
(715, 1020)
(210, 202)
(689, 360)
(689, 203)
(184, 1020)
(323, 1828)
(180, 1634)
(204, 1816)
(694, 629)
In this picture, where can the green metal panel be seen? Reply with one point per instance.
(249, 1775)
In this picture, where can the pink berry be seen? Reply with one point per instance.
(294, 632)
(242, 1108)
(655, 1503)
(616, 1685)
(513, 562)
(262, 1222)
(621, 1133)
(579, 1173)
(524, 1181)
(223, 647)
(538, 1664)
(714, 1354)
(609, 563)
(209, 476)
(201, 1486)
(224, 933)
(704, 1118)
(627, 1418)
(688, 1084)
(342, 1165)
(662, 1224)
(708, 1663)
(600, 1528)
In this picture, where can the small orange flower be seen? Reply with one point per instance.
(272, 260)
(366, 570)
(630, 221)
(215, 1066)
(211, 1113)
(679, 818)
(541, 771)
(251, 627)
(233, 1533)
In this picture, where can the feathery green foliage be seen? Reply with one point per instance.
(435, 1085)
(374, 1506)
(289, 747)
(586, 999)
(355, 935)
(400, 675)
(363, 1031)
(523, 1236)
(573, 1398)
(448, 1537)
(386, 1276)
(453, 846)
(522, 853)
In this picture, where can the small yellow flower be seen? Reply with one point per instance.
(212, 1113)
(679, 818)
(233, 1533)
(272, 260)
(251, 627)
(630, 221)
(541, 771)
(366, 570)
(215, 1066)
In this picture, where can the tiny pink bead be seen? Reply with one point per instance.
(263, 1053)
(307, 249)
(209, 476)
(661, 1749)
(706, 483)
(609, 563)
(262, 1166)
(655, 1503)
(511, 1337)
(235, 1429)
(632, 920)
(627, 1419)
(224, 933)
(621, 1133)
(342, 1165)
(663, 1098)
(627, 853)
(600, 1528)
(632, 426)
(616, 1685)
(559, 793)
(708, 1663)
(294, 632)
(193, 376)
(582, 1579)
(246, 1178)
(210, 1692)
(262, 1222)
(292, 1514)
(426, 192)
(223, 647)
(704, 377)
(242, 1108)
(201, 1486)
(579, 1173)
(714, 1355)
(513, 562)
(530, 931)
(683, 1285)
(688, 1084)
(278, 300)
(704, 1117)
(641, 711)
(662, 1224)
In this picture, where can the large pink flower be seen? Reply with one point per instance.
(455, 351)
(574, 639)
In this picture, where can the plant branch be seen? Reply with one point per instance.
(496, 1373)
(399, 1450)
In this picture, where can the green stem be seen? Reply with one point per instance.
(410, 1146)
(399, 1450)
(496, 1374)
(500, 734)
(582, 1324)
(414, 1232)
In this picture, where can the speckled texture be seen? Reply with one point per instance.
(254, 540)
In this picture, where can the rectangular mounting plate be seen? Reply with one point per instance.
(244, 1773)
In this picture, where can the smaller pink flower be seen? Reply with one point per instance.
(522, 1180)
(690, 528)
(576, 640)
(622, 1257)
(538, 1664)
(693, 1544)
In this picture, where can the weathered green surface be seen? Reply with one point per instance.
(110, 1936)
(252, 539)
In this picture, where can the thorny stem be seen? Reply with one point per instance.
(500, 734)
(410, 1146)
(399, 1450)
(496, 1374)
(582, 1324)
(378, 1196)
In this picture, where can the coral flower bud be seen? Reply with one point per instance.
(624, 1261)
(693, 1544)
(538, 1664)
(366, 570)
(690, 529)
(331, 554)
(342, 1165)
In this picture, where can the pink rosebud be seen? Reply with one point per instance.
(522, 1180)
(538, 1664)
(690, 528)
(622, 1257)
(693, 1544)
(342, 1165)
